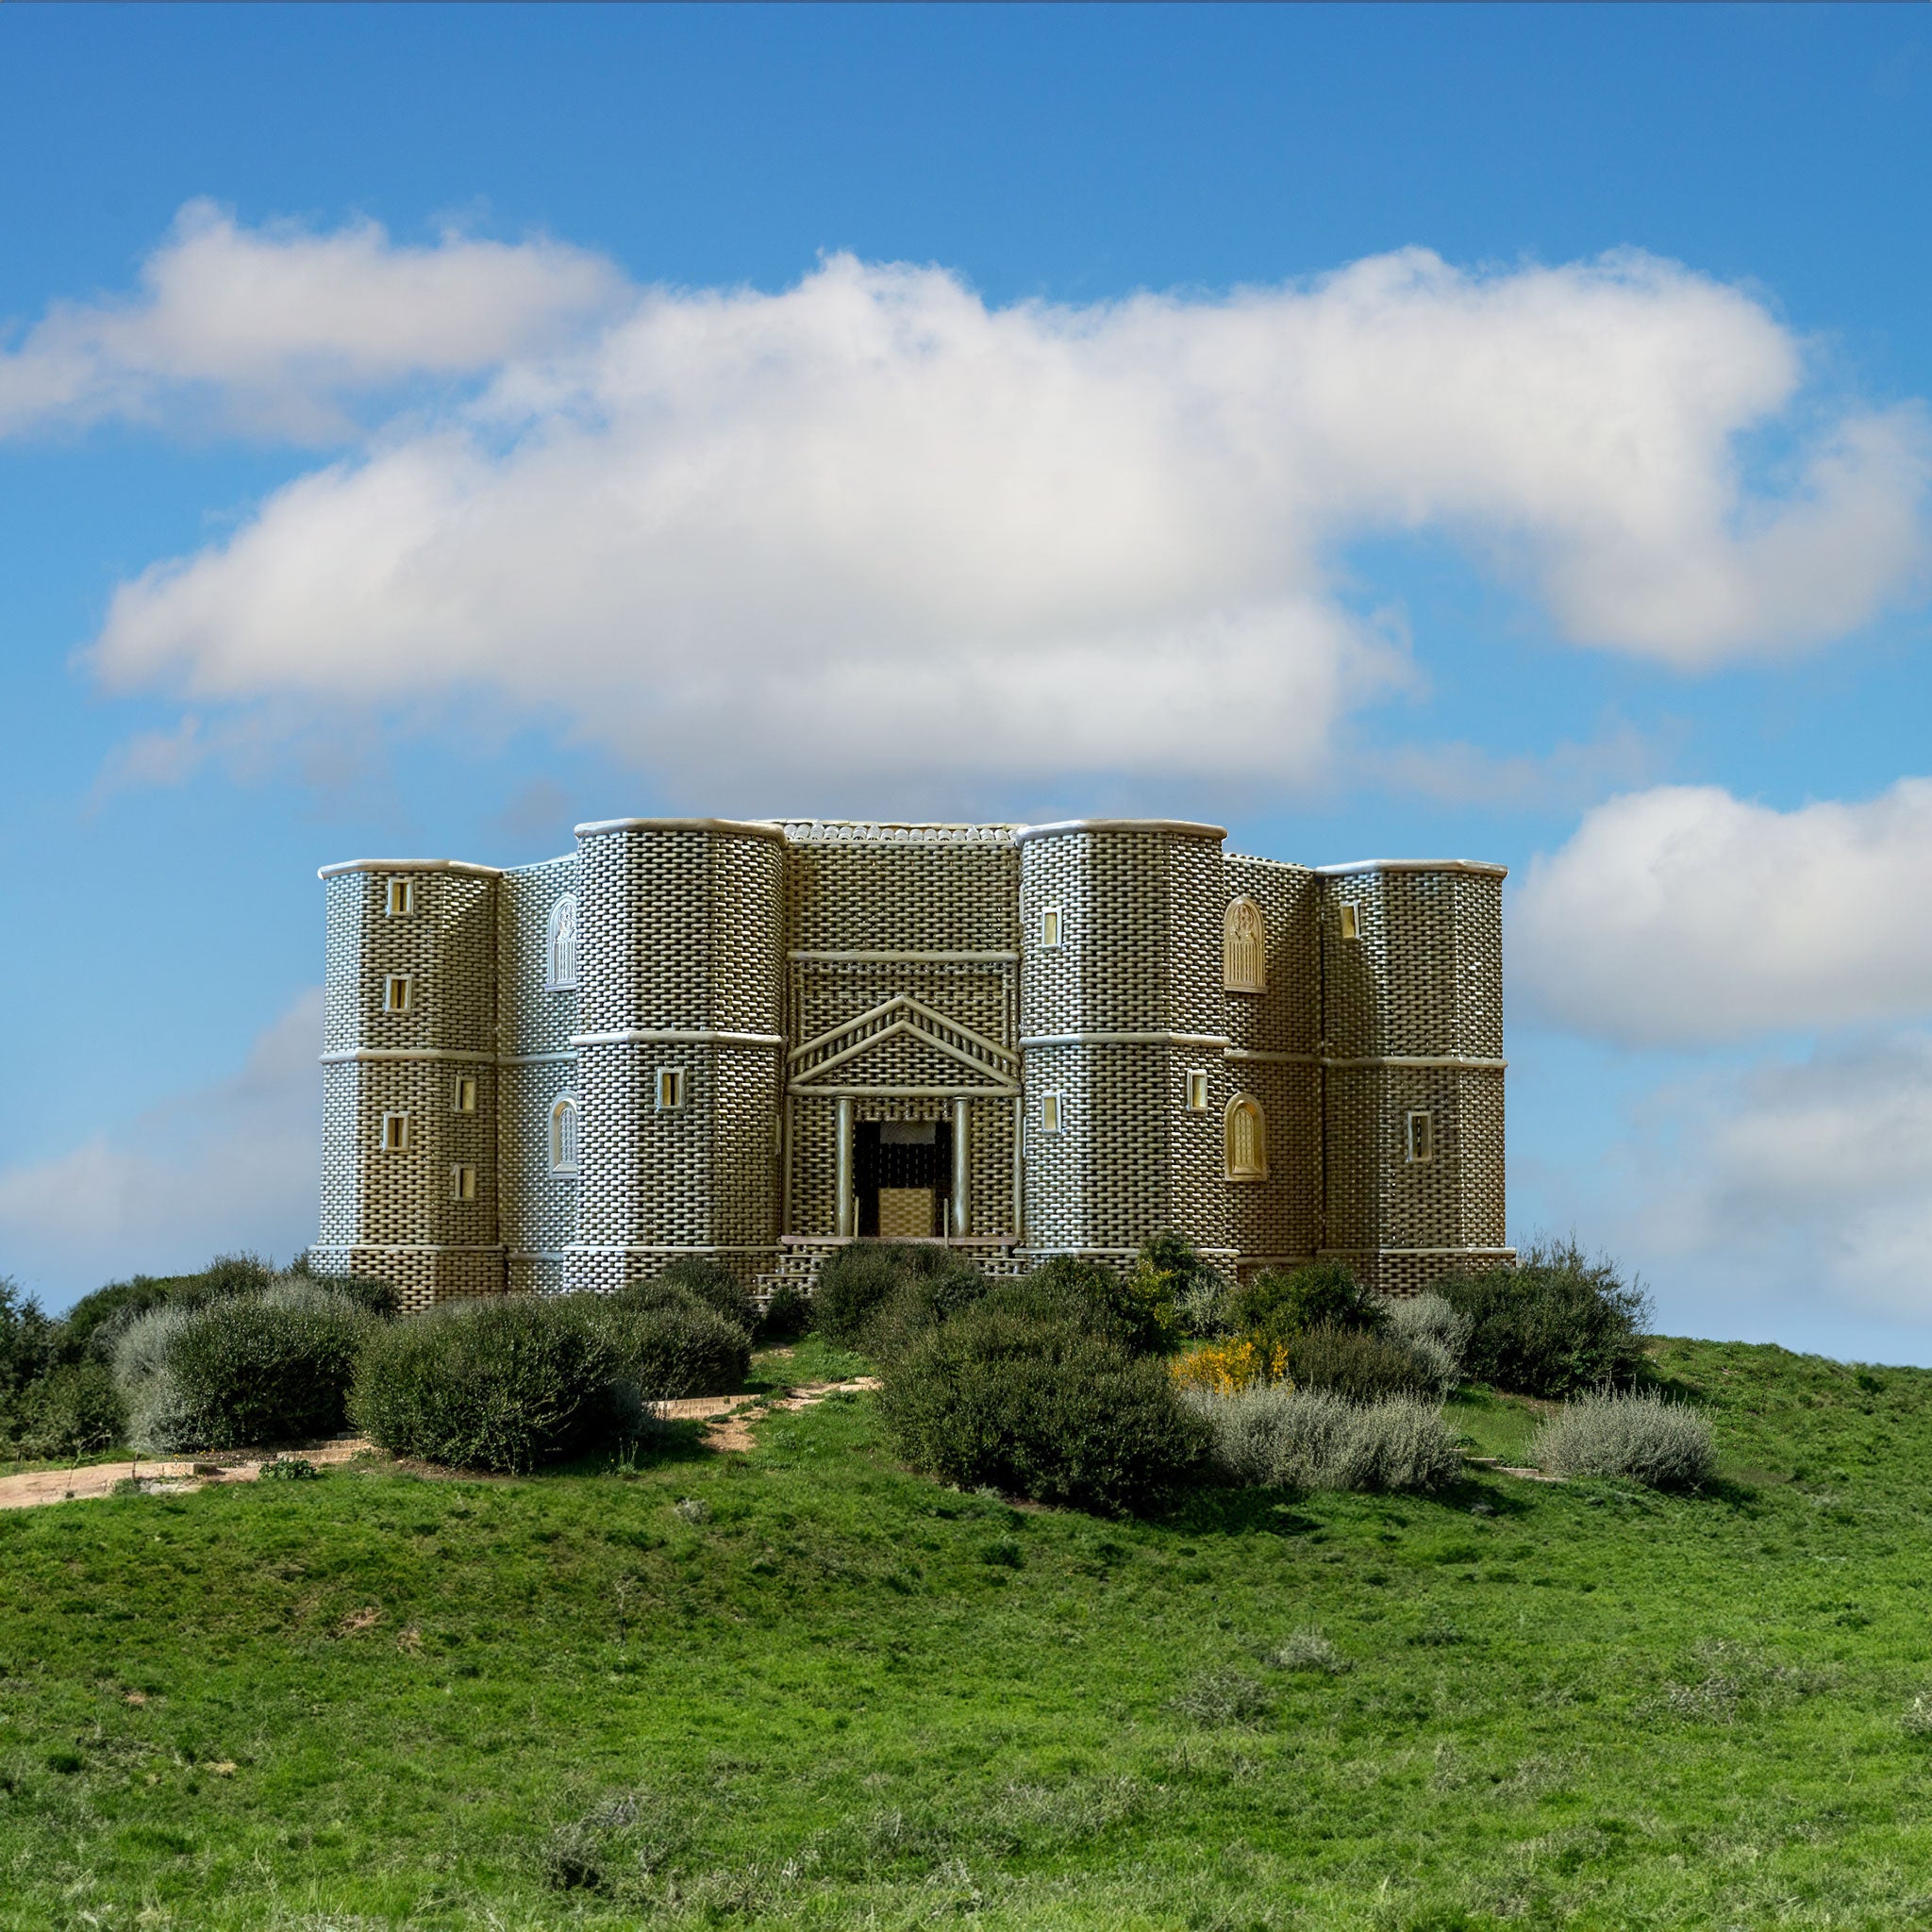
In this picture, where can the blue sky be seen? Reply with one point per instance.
(1388, 431)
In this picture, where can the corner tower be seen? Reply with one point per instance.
(1119, 1002)
(1413, 1067)
(409, 1103)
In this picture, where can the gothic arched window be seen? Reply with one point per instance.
(564, 1135)
(560, 955)
(1244, 949)
(1247, 1140)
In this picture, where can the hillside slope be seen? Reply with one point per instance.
(824, 1691)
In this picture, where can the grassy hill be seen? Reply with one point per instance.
(802, 1687)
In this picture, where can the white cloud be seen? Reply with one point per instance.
(234, 1166)
(269, 328)
(1793, 1196)
(1683, 915)
(872, 524)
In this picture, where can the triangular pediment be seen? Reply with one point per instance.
(904, 1044)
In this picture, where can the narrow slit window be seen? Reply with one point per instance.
(398, 993)
(1197, 1091)
(462, 1184)
(1422, 1137)
(1049, 925)
(402, 897)
(464, 1100)
(564, 1135)
(670, 1088)
(1351, 920)
(395, 1133)
(1049, 1113)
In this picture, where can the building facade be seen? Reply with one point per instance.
(753, 1040)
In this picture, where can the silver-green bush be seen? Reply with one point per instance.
(1639, 1434)
(1434, 1332)
(1311, 1438)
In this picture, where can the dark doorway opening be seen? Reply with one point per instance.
(909, 1164)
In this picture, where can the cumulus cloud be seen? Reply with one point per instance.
(875, 524)
(1790, 1197)
(1682, 915)
(233, 1165)
(267, 329)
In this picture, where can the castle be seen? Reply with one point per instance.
(754, 1039)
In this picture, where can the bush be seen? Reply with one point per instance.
(1128, 1310)
(1555, 1324)
(76, 1410)
(1321, 1294)
(369, 1293)
(1310, 1438)
(1641, 1436)
(245, 1369)
(505, 1384)
(706, 1279)
(674, 1349)
(97, 1323)
(1046, 1409)
(1363, 1367)
(1434, 1333)
(1222, 1367)
(854, 1282)
(1176, 1277)
(921, 1304)
(787, 1316)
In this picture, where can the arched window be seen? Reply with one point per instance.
(1244, 949)
(561, 956)
(1247, 1140)
(564, 1135)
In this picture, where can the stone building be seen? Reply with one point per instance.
(753, 1040)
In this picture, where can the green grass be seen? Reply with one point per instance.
(843, 1696)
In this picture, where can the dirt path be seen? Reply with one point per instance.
(729, 1420)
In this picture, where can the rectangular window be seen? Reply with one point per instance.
(464, 1099)
(1197, 1092)
(395, 1133)
(670, 1088)
(1351, 921)
(398, 993)
(1422, 1137)
(1050, 925)
(1049, 1113)
(402, 897)
(462, 1184)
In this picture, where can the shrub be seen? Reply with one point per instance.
(854, 1282)
(1046, 1409)
(1434, 1333)
(76, 1410)
(269, 1367)
(1310, 1438)
(1555, 1324)
(1363, 1367)
(673, 1349)
(1321, 1294)
(787, 1316)
(30, 1342)
(1309, 1650)
(923, 1302)
(706, 1279)
(1223, 1697)
(1175, 1277)
(1641, 1436)
(505, 1384)
(1222, 1367)
(1129, 1310)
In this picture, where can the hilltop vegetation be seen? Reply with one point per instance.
(806, 1687)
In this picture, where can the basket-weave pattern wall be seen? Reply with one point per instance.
(804, 978)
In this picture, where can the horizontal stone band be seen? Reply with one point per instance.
(673, 1036)
(1218, 1040)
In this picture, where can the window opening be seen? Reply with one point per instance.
(1247, 1140)
(402, 897)
(1197, 1091)
(1049, 1113)
(465, 1097)
(563, 1136)
(462, 1184)
(1351, 920)
(398, 993)
(670, 1088)
(395, 1133)
(1244, 949)
(1049, 925)
(560, 957)
(1422, 1137)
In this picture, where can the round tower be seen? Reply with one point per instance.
(1120, 1020)
(679, 1049)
